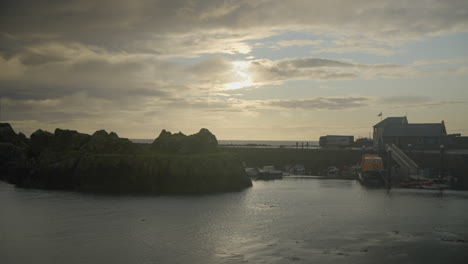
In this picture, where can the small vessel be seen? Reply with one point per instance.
(372, 171)
(251, 172)
(269, 173)
(416, 183)
(332, 172)
(348, 173)
(425, 183)
(297, 169)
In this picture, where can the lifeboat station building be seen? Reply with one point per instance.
(398, 131)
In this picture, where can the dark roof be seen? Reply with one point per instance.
(415, 130)
(392, 121)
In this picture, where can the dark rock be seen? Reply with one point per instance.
(13, 149)
(166, 142)
(40, 140)
(8, 135)
(69, 140)
(13, 161)
(203, 141)
(102, 142)
(68, 159)
(22, 137)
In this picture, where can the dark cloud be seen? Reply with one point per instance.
(57, 116)
(32, 58)
(413, 101)
(265, 71)
(213, 66)
(329, 103)
(66, 60)
(25, 91)
(96, 75)
(155, 26)
(311, 63)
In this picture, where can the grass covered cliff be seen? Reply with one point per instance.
(67, 159)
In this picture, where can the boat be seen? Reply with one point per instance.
(372, 173)
(416, 183)
(269, 173)
(251, 172)
(332, 172)
(425, 183)
(297, 169)
(435, 186)
(348, 173)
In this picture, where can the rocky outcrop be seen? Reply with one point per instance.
(67, 159)
(203, 141)
(139, 173)
(103, 142)
(8, 135)
(40, 140)
(13, 152)
(71, 140)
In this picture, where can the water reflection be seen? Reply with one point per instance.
(287, 221)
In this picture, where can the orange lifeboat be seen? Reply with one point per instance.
(371, 162)
(372, 171)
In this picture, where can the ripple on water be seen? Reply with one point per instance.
(288, 221)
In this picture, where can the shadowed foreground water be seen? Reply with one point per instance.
(288, 221)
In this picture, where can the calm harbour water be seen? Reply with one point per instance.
(288, 221)
(260, 143)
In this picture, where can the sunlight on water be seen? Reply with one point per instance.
(287, 221)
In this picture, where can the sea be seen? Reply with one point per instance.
(255, 143)
(294, 220)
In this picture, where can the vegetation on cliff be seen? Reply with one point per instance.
(67, 159)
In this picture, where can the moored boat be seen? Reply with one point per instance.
(372, 171)
(332, 172)
(269, 173)
(251, 172)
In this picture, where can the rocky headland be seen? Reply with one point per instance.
(104, 162)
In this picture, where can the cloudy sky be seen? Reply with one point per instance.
(246, 69)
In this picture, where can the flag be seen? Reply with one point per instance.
(380, 114)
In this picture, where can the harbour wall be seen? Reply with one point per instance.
(316, 161)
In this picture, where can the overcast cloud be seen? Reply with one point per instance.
(65, 63)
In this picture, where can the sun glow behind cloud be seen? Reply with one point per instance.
(155, 64)
(241, 74)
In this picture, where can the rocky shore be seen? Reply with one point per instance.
(104, 162)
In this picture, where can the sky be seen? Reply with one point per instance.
(245, 70)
